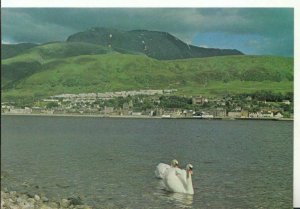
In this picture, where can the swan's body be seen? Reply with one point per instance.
(175, 180)
(161, 168)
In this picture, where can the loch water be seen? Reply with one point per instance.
(110, 162)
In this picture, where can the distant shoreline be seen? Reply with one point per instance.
(82, 115)
(142, 117)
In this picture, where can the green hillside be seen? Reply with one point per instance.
(81, 67)
(10, 50)
(42, 58)
(47, 52)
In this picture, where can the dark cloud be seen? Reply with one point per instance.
(51, 24)
(22, 26)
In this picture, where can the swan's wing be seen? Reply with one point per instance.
(161, 169)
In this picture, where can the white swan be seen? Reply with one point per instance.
(175, 181)
(162, 167)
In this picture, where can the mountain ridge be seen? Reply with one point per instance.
(155, 44)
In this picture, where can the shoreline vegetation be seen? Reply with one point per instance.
(17, 200)
(143, 117)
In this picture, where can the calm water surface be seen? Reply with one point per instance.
(110, 162)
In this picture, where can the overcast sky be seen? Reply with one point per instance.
(261, 31)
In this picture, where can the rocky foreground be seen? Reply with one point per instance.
(15, 200)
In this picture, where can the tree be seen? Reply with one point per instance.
(51, 105)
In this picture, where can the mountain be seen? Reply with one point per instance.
(154, 44)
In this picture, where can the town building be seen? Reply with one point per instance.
(234, 114)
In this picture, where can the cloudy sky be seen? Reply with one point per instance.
(260, 31)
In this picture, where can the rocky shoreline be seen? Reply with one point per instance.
(15, 200)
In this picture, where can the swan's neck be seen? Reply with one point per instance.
(189, 183)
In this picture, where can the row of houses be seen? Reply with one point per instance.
(221, 113)
(175, 112)
(126, 110)
(92, 97)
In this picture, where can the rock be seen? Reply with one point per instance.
(5, 205)
(14, 207)
(83, 207)
(14, 198)
(27, 205)
(31, 200)
(53, 204)
(36, 197)
(45, 207)
(20, 200)
(65, 203)
(13, 193)
(30, 194)
(45, 199)
(4, 195)
(75, 200)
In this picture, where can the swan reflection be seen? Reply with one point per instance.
(180, 200)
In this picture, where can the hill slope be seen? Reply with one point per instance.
(43, 57)
(155, 44)
(10, 50)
